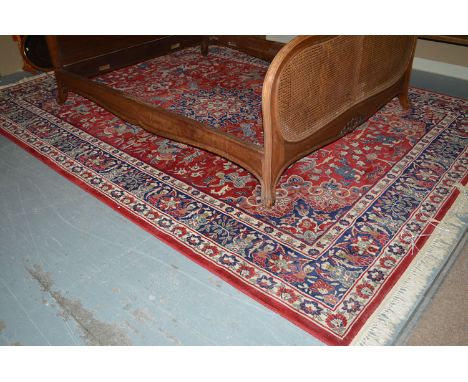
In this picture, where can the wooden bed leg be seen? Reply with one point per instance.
(404, 101)
(268, 197)
(62, 93)
(403, 96)
(204, 45)
(268, 193)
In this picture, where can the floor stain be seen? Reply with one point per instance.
(2, 326)
(146, 318)
(170, 336)
(43, 278)
(47, 303)
(17, 343)
(215, 282)
(94, 331)
(141, 316)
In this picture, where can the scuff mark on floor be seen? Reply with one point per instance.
(215, 282)
(146, 318)
(43, 278)
(94, 331)
(2, 326)
(170, 336)
(141, 316)
(17, 343)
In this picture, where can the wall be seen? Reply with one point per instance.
(441, 58)
(280, 38)
(10, 57)
(430, 56)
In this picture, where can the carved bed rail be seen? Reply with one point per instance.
(317, 89)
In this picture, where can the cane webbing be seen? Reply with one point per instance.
(320, 82)
(384, 60)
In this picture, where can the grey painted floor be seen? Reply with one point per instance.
(73, 271)
(438, 83)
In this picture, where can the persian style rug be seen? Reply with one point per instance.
(350, 220)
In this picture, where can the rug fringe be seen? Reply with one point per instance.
(26, 79)
(383, 326)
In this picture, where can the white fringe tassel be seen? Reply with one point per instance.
(383, 326)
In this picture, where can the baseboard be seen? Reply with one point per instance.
(444, 84)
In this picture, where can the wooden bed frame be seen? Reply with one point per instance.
(317, 89)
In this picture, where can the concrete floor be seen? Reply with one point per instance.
(75, 272)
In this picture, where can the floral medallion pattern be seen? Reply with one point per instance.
(347, 217)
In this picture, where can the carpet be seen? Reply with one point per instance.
(346, 233)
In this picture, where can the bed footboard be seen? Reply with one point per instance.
(318, 88)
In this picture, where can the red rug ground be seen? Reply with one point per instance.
(349, 218)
